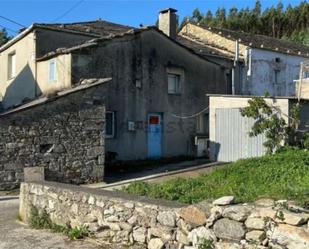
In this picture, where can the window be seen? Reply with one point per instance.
(173, 83)
(203, 124)
(52, 70)
(110, 124)
(277, 76)
(12, 65)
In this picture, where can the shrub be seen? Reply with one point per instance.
(41, 220)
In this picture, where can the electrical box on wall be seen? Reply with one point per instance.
(131, 126)
(138, 83)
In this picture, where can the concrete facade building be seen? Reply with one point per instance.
(152, 92)
(259, 63)
(155, 104)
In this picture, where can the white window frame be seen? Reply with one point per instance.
(113, 125)
(12, 65)
(54, 76)
(177, 84)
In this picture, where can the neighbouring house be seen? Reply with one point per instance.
(18, 67)
(258, 63)
(229, 131)
(155, 103)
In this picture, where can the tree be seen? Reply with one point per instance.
(196, 16)
(3, 37)
(291, 23)
(269, 121)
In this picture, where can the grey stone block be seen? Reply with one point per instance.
(34, 174)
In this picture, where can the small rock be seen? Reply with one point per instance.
(126, 226)
(182, 238)
(184, 226)
(265, 202)
(256, 236)
(155, 244)
(227, 245)
(255, 223)
(223, 201)
(139, 235)
(229, 229)
(263, 213)
(197, 235)
(193, 215)
(238, 212)
(216, 213)
(93, 227)
(290, 237)
(167, 218)
(293, 218)
(165, 233)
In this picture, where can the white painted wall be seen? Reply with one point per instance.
(224, 102)
(263, 73)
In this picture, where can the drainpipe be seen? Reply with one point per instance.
(35, 64)
(234, 66)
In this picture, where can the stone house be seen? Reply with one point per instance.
(63, 133)
(155, 103)
(257, 63)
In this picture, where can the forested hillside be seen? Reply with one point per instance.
(285, 22)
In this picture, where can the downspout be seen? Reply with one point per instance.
(235, 62)
(35, 64)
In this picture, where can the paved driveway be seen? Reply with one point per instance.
(15, 235)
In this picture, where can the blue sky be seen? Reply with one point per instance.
(127, 12)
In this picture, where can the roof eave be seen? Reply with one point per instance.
(17, 38)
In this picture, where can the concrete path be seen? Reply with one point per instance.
(15, 235)
(192, 171)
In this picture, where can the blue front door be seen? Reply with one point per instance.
(154, 135)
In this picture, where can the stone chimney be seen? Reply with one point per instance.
(168, 22)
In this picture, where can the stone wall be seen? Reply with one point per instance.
(121, 218)
(65, 135)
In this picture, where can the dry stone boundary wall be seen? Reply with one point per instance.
(121, 218)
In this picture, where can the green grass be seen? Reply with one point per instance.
(42, 221)
(284, 175)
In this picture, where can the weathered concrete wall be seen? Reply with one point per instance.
(263, 73)
(65, 136)
(23, 85)
(146, 58)
(63, 74)
(50, 40)
(121, 218)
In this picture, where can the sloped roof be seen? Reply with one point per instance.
(85, 84)
(94, 42)
(261, 41)
(203, 49)
(98, 27)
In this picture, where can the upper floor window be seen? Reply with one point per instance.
(173, 83)
(52, 70)
(277, 76)
(12, 65)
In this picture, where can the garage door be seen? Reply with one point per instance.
(232, 136)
